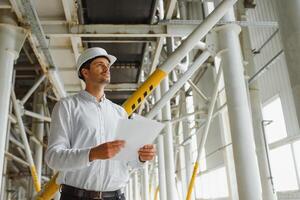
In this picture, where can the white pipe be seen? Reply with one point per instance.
(145, 184)
(136, 188)
(256, 108)
(210, 115)
(168, 145)
(161, 157)
(170, 92)
(161, 9)
(130, 194)
(188, 44)
(33, 88)
(181, 149)
(16, 142)
(200, 45)
(39, 133)
(17, 159)
(248, 182)
(56, 81)
(37, 116)
(187, 148)
(16, 106)
(11, 41)
(183, 64)
(198, 91)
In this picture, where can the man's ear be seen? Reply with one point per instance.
(84, 72)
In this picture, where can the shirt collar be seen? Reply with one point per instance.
(90, 97)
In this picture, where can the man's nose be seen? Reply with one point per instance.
(105, 68)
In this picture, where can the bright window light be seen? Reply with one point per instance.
(297, 155)
(276, 129)
(210, 6)
(283, 170)
(212, 185)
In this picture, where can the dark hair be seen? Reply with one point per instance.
(87, 65)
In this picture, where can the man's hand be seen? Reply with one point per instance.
(106, 150)
(147, 152)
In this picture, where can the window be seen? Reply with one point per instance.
(274, 123)
(212, 185)
(297, 155)
(283, 170)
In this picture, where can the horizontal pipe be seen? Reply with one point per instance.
(17, 159)
(37, 116)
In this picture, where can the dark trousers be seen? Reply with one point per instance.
(69, 197)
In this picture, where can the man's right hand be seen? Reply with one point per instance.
(106, 150)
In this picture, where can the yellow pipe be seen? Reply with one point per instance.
(144, 90)
(49, 190)
(37, 185)
(192, 182)
(156, 193)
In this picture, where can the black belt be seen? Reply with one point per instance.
(81, 193)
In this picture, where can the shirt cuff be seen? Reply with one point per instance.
(85, 153)
(136, 164)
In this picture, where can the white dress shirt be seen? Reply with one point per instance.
(78, 123)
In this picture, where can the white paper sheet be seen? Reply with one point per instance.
(136, 133)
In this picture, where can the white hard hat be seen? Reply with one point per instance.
(93, 53)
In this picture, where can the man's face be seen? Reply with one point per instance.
(98, 72)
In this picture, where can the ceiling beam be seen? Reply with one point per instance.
(129, 30)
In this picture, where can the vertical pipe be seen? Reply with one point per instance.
(168, 136)
(256, 111)
(188, 146)
(11, 41)
(205, 133)
(4, 188)
(145, 184)
(39, 133)
(161, 157)
(247, 173)
(130, 193)
(136, 188)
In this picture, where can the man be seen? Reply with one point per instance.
(81, 142)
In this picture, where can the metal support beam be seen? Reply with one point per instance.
(161, 156)
(32, 89)
(38, 131)
(198, 91)
(256, 110)
(16, 105)
(246, 167)
(37, 116)
(205, 133)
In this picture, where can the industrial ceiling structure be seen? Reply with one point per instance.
(205, 68)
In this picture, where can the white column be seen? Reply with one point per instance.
(145, 180)
(168, 145)
(187, 147)
(39, 133)
(256, 111)
(136, 188)
(160, 154)
(130, 193)
(11, 41)
(246, 167)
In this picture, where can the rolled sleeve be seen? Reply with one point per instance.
(59, 154)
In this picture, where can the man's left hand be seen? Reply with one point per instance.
(147, 152)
